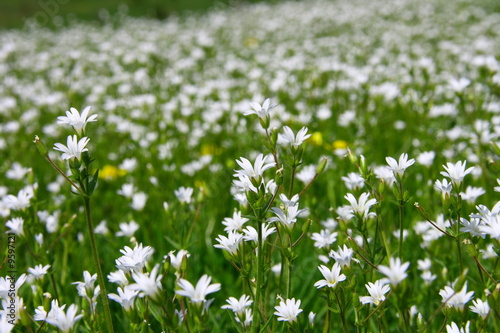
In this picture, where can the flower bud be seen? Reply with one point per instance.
(274, 136)
(42, 149)
(321, 166)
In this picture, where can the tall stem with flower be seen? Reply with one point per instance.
(79, 159)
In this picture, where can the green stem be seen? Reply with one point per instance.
(100, 278)
(258, 288)
(401, 218)
(288, 264)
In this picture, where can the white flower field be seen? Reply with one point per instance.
(301, 166)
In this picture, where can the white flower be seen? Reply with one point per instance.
(74, 147)
(147, 284)
(134, 260)
(456, 172)
(428, 277)
(289, 202)
(38, 271)
(57, 317)
(306, 174)
(254, 171)
(230, 243)
(184, 194)
(399, 167)
(332, 276)
(497, 188)
(19, 202)
(294, 140)
(480, 307)
(492, 227)
(353, 181)
(76, 120)
(244, 184)
(261, 110)
(87, 290)
(5, 285)
(16, 226)
(472, 193)
(17, 171)
(424, 265)
(473, 226)
(377, 292)
(235, 223)
(426, 158)
(343, 256)
(455, 299)
(288, 310)
(458, 85)
(238, 306)
(176, 259)
(125, 297)
(453, 328)
(250, 233)
(118, 277)
(324, 238)
(395, 272)
(287, 217)
(139, 201)
(127, 190)
(197, 294)
(444, 187)
(360, 207)
(385, 174)
(5, 325)
(127, 229)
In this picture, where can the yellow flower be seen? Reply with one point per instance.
(251, 42)
(339, 144)
(209, 149)
(316, 138)
(110, 172)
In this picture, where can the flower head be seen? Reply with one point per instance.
(230, 243)
(343, 256)
(197, 294)
(57, 317)
(76, 120)
(134, 260)
(288, 310)
(377, 292)
(288, 217)
(38, 271)
(456, 299)
(360, 207)
(294, 140)
(453, 328)
(254, 171)
(399, 167)
(480, 307)
(261, 110)
(395, 273)
(238, 306)
(456, 172)
(332, 276)
(235, 223)
(147, 284)
(74, 147)
(125, 297)
(16, 226)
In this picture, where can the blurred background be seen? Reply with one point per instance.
(14, 13)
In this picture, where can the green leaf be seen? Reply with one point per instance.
(93, 182)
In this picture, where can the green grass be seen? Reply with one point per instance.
(13, 14)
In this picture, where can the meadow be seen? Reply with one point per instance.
(316, 166)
